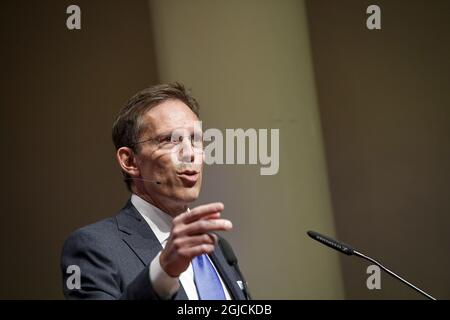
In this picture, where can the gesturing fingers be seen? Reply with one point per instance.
(192, 235)
(186, 242)
(202, 226)
(199, 213)
(192, 252)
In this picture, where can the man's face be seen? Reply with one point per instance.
(174, 156)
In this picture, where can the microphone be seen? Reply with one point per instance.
(348, 250)
(339, 246)
(232, 261)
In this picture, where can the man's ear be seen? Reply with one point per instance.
(127, 161)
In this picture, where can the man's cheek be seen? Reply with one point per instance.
(166, 164)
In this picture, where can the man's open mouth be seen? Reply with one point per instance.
(190, 176)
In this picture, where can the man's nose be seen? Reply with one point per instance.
(187, 151)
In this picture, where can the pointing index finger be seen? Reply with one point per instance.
(201, 211)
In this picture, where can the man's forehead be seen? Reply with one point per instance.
(167, 116)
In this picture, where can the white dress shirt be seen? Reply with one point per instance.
(165, 285)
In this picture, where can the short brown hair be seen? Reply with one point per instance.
(127, 127)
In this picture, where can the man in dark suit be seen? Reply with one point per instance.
(156, 247)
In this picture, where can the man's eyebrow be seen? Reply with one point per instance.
(170, 132)
(161, 136)
(165, 133)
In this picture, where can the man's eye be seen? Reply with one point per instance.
(166, 139)
(172, 139)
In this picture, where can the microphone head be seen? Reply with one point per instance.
(329, 242)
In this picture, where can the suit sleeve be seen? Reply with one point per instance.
(99, 277)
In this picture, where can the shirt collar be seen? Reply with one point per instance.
(159, 221)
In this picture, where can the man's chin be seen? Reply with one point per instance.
(189, 198)
(186, 195)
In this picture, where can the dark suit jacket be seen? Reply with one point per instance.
(114, 256)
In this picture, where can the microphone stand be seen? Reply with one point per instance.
(393, 274)
(348, 250)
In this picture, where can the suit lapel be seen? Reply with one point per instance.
(228, 275)
(138, 235)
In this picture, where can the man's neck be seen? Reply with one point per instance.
(172, 208)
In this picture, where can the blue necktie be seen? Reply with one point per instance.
(206, 279)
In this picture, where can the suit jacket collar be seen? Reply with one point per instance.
(140, 238)
(137, 234)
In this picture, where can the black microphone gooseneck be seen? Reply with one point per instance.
(348, 250)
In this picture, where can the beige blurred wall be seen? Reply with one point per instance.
(250, 66)
(385, 105)
(383, 102)
(60, 92)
